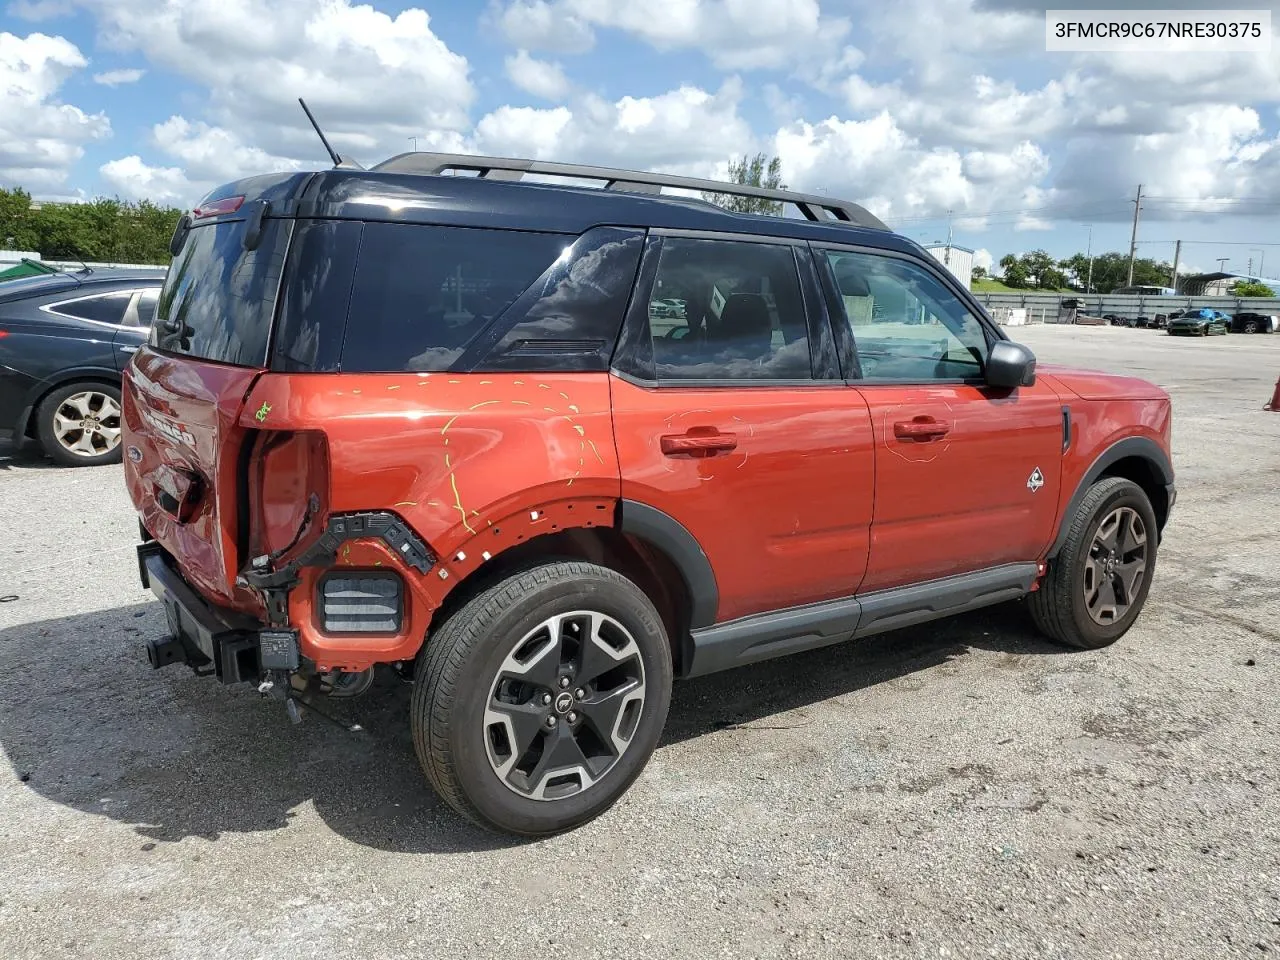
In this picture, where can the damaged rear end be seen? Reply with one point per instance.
(310, 431)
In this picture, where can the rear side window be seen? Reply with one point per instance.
(218, 298)
(108, 308)
(728, 310)
(422, 294)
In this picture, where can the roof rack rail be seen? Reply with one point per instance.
(812, 207)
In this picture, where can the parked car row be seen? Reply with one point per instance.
(1200, 322)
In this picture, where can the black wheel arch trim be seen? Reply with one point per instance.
(673, 538)
(1143, 448)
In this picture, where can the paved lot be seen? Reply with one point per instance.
(960, 790)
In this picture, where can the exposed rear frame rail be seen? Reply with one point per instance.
(811, 206)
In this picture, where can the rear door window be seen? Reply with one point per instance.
(728, 310)
(422, 294)
(219, 298)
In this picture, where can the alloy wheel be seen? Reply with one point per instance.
(1115, 566)
(564, 706)
(87, 424)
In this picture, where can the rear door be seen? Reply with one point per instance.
(967, 476)
(730, 419)
(185, 388)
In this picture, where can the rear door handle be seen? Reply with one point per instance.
(128, 349)
(921, 429)
(698, 443)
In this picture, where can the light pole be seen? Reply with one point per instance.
(1088, 284)
(1260, 253)
(415, 144)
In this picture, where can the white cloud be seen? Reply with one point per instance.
(373, 80)
(982, 258)
(539, 25)
(538, 77)
(114, 78)
(687, 129)
(41, 137)
(135, 180)
(213, 153)
(735, 34)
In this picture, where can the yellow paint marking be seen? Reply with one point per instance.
(422, 383)
(356, 390)
(449, 423)
(406, 503)
(595, 451)
(543, 386)
(564, 395)
(482, 403)
(485, 383)
(447, 465)
(394, 386)
(457, 500)
(573, 407)
(549, 409)
(455, 381)
(519, 383)
(578, 427)
(523, 403)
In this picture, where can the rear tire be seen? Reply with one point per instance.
(79, 424)
(489, 726)
(1097, 584)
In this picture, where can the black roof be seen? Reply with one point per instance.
(397, 196)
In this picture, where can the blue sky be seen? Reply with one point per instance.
(914, 108)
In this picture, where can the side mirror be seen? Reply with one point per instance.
(1011, 365)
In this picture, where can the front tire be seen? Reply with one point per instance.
(539, 702)
(79, 424)
(1097, 584)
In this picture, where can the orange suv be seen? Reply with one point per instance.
(543, 448)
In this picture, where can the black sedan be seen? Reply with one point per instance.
(64, 339)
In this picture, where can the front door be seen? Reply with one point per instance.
(967, 476)
(732, 420)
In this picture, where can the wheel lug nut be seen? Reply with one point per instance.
(551, 721)
(546, 699)
(564, 682)
(580, 693)
(572, 718)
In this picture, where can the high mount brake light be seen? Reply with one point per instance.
(217, 208)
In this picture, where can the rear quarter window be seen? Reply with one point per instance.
(422, 294)
(219, 298)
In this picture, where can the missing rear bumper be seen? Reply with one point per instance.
(206, 638)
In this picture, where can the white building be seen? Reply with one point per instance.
(959, 260)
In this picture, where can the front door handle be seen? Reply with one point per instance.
(921, 429)
(698, 443)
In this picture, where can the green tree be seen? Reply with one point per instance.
(107, 229)
(757, 171)
(978, 273)
(1251, 288)
(1014, 271)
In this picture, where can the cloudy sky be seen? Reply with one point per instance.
(912, 107)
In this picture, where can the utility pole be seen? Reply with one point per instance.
(1088, 284)
(1222, 264)
(1177, 255)
(947, 260)
(1133, 237)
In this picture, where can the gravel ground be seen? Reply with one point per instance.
(962, 789)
